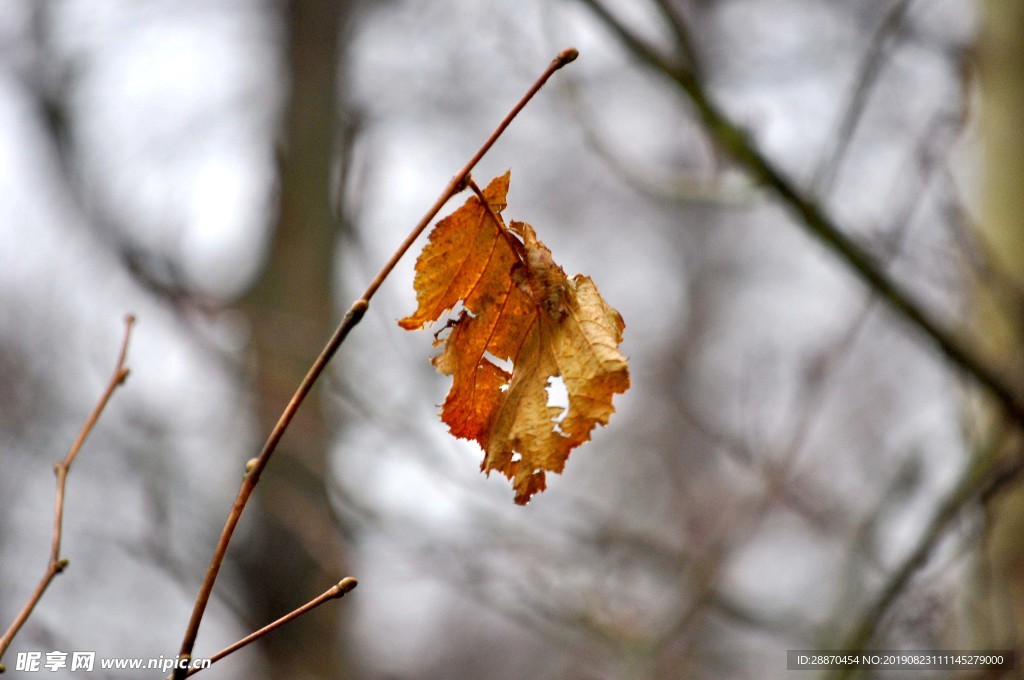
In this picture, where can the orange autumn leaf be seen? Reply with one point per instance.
(518, 307)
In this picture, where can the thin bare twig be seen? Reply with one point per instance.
(349, 321)
(57, 564)
(335, 592)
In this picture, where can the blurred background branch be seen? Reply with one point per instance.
(795, 462)
(742, 149)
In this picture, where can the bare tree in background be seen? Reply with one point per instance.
(292, 311)
(1000, 238)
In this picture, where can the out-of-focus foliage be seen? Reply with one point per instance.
(786, 439)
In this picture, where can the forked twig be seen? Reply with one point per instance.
(61, 468)
(336, 591)
(348, 322)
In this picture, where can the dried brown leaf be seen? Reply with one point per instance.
(518, 306)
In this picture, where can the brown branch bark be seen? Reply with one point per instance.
(337, 591)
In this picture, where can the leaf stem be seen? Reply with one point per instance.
(349, 321)
(61, 468)
(515, 243)
(462, 178)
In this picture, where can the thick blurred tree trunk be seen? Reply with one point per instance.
(1001, 308)
(296, 554)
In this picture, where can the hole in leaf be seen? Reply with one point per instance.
(558, 396)
(503, 364)
(458, 310)
(455, 315)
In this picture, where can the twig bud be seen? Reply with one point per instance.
(566, 56)
(346, 585)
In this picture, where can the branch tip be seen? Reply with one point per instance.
(346, 585)
(566, 56)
